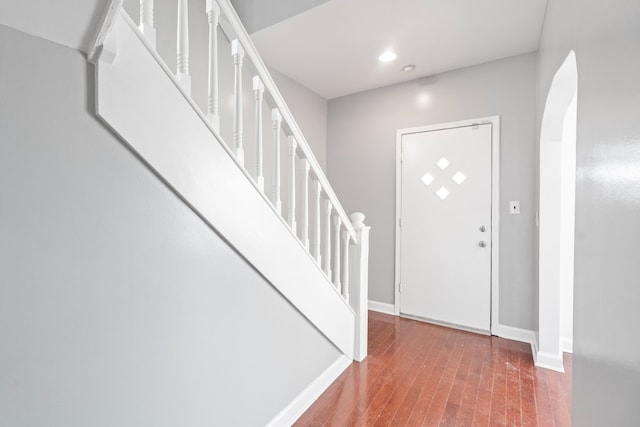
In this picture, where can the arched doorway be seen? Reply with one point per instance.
(557, 217)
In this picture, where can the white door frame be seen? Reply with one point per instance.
(495, 204)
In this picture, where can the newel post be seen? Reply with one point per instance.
(360, 285)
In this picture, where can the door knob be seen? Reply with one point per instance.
(483, 228)
(482, 244)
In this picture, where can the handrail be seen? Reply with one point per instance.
(251, 51)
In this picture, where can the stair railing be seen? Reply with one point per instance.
(322, 227)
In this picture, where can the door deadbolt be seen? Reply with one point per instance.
(482, 244)
(483, 228)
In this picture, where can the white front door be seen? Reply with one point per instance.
(445, 251)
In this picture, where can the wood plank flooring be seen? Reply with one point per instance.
(418, 374)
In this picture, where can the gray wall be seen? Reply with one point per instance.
(606, 38)
(310, 111)
(118, 305)
(361, 163)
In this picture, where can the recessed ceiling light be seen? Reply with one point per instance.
(388, 56)
(408, 68)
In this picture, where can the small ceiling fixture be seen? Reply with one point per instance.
(408, 68)
(388, 56)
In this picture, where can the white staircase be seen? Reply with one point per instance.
(311, 251)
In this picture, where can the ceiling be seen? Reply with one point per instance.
(258, 14)
(71, 23)
(333, 48)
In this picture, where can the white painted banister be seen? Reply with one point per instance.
(258, 92)
(336, 253)
(182, 74)
(304, 229)
(237, 53)
(326, 256)
(291, 217)
(345, 265)
(276, 118)
(221, 14)
(146, 21)
(288, 123)
(315, 237)
(360, 284)
(213, 17)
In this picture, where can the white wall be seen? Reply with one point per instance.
(361, 163)
(567, 224)
(118, 305)
(606, 358)
(259, 14)
(553, 247)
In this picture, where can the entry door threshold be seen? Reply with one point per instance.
(446, 324)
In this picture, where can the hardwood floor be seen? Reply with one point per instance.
(420, 374)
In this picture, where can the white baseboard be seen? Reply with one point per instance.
(310, 394)
(540, 358)
(545, 360)
(566, 345)
(381, 307)
(527, 336)
(534, 348)
(549, 361)
(514, 334)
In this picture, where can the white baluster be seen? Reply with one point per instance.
(305, 204)
(146, 21)
(183, 46)
(237, 51)
(315, 249)
(276, 118)
(326, 256)
(213, 16)
(258, 91)
(293, 144)
(336, 253)
(345, 265)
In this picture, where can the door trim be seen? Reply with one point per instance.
(495, 205)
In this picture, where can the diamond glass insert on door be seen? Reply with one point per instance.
(427, 179)
(459, 177)
(443, 163)
(443, 193)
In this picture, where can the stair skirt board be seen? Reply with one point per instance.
(139, 98)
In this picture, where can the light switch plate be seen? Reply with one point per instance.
(514, 207)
